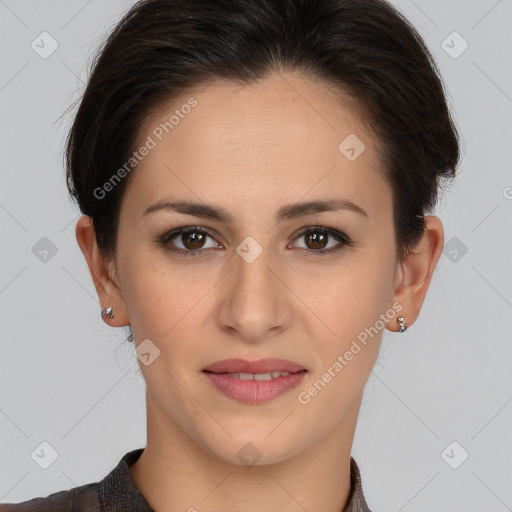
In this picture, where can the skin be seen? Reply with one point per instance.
(251, 150)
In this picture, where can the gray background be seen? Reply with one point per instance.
(68, 379)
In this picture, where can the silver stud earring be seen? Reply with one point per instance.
(107, 312)
(401, 324)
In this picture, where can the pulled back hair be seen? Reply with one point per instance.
(366, 48)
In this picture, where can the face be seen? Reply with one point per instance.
(264, 278)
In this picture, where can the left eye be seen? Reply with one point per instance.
(316, 239)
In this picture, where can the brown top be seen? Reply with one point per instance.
(118, 493)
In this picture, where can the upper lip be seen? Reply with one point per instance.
(260, 366)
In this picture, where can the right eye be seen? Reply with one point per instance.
(192, 239)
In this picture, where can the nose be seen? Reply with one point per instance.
(255, 303)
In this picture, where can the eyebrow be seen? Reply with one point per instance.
(287, 212)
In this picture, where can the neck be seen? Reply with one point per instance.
(175, 474)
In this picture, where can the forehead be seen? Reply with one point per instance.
(285, 134)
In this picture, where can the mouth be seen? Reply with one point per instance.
(254, 382)
(260, 366)
(255, 376)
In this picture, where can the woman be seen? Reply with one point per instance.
(257, 179)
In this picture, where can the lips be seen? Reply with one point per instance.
(260, 366)
(254, 382)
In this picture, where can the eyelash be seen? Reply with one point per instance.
(311, 253)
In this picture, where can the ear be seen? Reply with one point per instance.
(103, 273)
(414, 272)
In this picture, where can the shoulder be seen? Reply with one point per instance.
(357, 501)
(116, 491)
(85, 497)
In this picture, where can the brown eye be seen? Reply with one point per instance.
(316, 240)
(320, 241)
(193, 240)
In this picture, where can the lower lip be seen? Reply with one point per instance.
(254, 391)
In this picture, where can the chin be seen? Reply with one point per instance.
(249, 453)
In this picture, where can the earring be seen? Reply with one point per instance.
(107, 313)
(401, 324)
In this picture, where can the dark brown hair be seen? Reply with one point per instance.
(363, 47)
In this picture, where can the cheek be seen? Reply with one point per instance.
(350, 302)
(353, 296)
(156, 291)
(167, 305)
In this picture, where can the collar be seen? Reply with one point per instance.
(118, 492)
